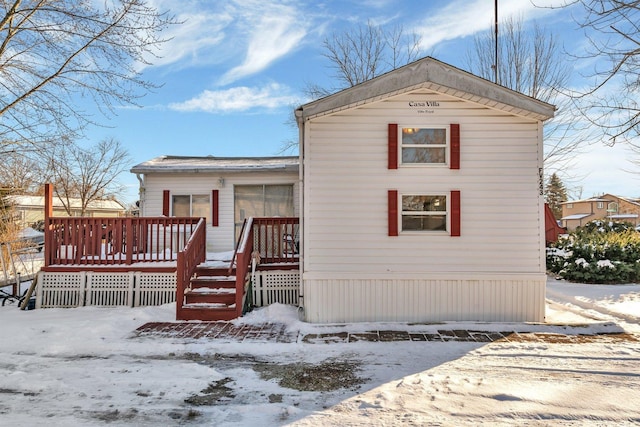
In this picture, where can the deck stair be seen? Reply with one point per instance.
(211, 295)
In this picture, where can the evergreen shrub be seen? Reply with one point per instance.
(599, 252)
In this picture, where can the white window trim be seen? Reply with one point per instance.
(446, 146)
(447, 213)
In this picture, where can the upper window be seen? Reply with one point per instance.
(600, 205)
(191, 205)
(424, 145)
(569, 205)
(612, 207)
(424, 212)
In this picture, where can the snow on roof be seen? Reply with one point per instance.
(38, 201)
(592, 199)
(575, 216)
(623, 216)
(181, 164)
(604, 198)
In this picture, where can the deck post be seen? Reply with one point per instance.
(48, 213)
(129, 245)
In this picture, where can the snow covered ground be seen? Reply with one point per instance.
(80, 367)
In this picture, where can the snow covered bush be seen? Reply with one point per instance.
(599, 252)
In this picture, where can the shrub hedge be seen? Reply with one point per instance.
(599, 252)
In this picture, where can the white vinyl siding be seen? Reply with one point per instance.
(346, 175)
(219, 238)
(354, 271)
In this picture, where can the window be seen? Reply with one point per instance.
(424, 212)
(192, 205)
(569, 205)
(612, 207)
(262, 201)
(600, 205)
(424, 145)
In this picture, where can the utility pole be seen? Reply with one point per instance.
(495, 66)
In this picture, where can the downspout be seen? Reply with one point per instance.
(300, 121)
(141, 193)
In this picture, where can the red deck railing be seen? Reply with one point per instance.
(276, 239)
(193, 254)
(243, 252)
(115, 241)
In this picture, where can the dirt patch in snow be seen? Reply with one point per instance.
(330, 375)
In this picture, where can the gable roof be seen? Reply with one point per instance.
(190, 164)
(429, 73)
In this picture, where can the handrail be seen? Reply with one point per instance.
(115, 241)
(244, 251)
(192, 255)
(235, 250)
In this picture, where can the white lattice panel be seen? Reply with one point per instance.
(277, 286)
(110, 289)
(60, 289)
(155, 288)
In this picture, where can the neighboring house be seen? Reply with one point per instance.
(225, 191)
(576, 213)
(422, 200)
(30, 209)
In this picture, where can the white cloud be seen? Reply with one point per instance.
(251, 33)
(462, 18)
(273, 32)
(202, 29)
(239, 99)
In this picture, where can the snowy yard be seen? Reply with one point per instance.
(85, 366)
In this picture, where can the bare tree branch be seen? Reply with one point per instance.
(55, 52)
(88, 174)
(530, 63)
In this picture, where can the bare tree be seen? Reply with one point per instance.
(364, 52)
(357, 55)
(88, 174)
(611, 102)
(20, 173)
(55, 52)
(530, 62)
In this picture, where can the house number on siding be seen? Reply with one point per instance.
(423, 105)
(541, 181)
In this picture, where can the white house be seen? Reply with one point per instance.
(422, 200)
(223, 190)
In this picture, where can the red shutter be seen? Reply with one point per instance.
(393, 212)
(214, 208)
(454, 141)
(165, 203)
(455, 213)
(393, 146)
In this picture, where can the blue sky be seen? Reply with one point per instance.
(235, 69)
